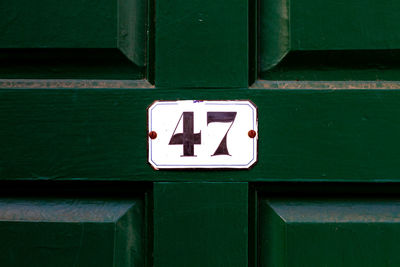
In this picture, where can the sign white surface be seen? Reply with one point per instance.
(202, 134)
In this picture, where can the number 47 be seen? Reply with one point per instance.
(188, 138)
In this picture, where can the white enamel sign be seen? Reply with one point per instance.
(202, 134)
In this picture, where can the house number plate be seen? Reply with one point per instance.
(202, 134)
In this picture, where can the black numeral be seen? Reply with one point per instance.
(188, 138)
(222, 149)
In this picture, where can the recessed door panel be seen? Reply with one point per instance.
(329, 232)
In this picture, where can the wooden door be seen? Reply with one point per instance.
(76, 80)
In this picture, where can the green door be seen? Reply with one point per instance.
(77, 78)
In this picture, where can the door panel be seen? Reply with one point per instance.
(329, 40)
(75, 24)
(71, 232)
(75, 39)
(329, 232)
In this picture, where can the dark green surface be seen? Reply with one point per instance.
(193, 50)
(132, 29)
(343, 65)
(328, 26)
(329, 232)
(58, 24)
(344, 24)
(75, 24)
(76, 39)
(110, 64)
(71, 232)
(304, 135)
(200, 224)
(201, 43)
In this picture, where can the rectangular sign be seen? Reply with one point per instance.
(202, 134)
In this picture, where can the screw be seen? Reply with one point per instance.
(152, 135)
(252, 133)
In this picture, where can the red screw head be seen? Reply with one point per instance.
(252, 133)
(153, 135)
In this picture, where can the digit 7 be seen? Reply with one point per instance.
(222, 148)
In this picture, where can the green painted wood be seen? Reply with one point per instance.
(72, 63)
(119, 24)
(150, 41)
(201, 43)
(328, 32)
(253, 41)
(132, 27)
(71, 232)
(200, 224)
(253, 224)
(95, 134)
(65, 24)
(343, 65)
(329, 232)
(370, 24)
